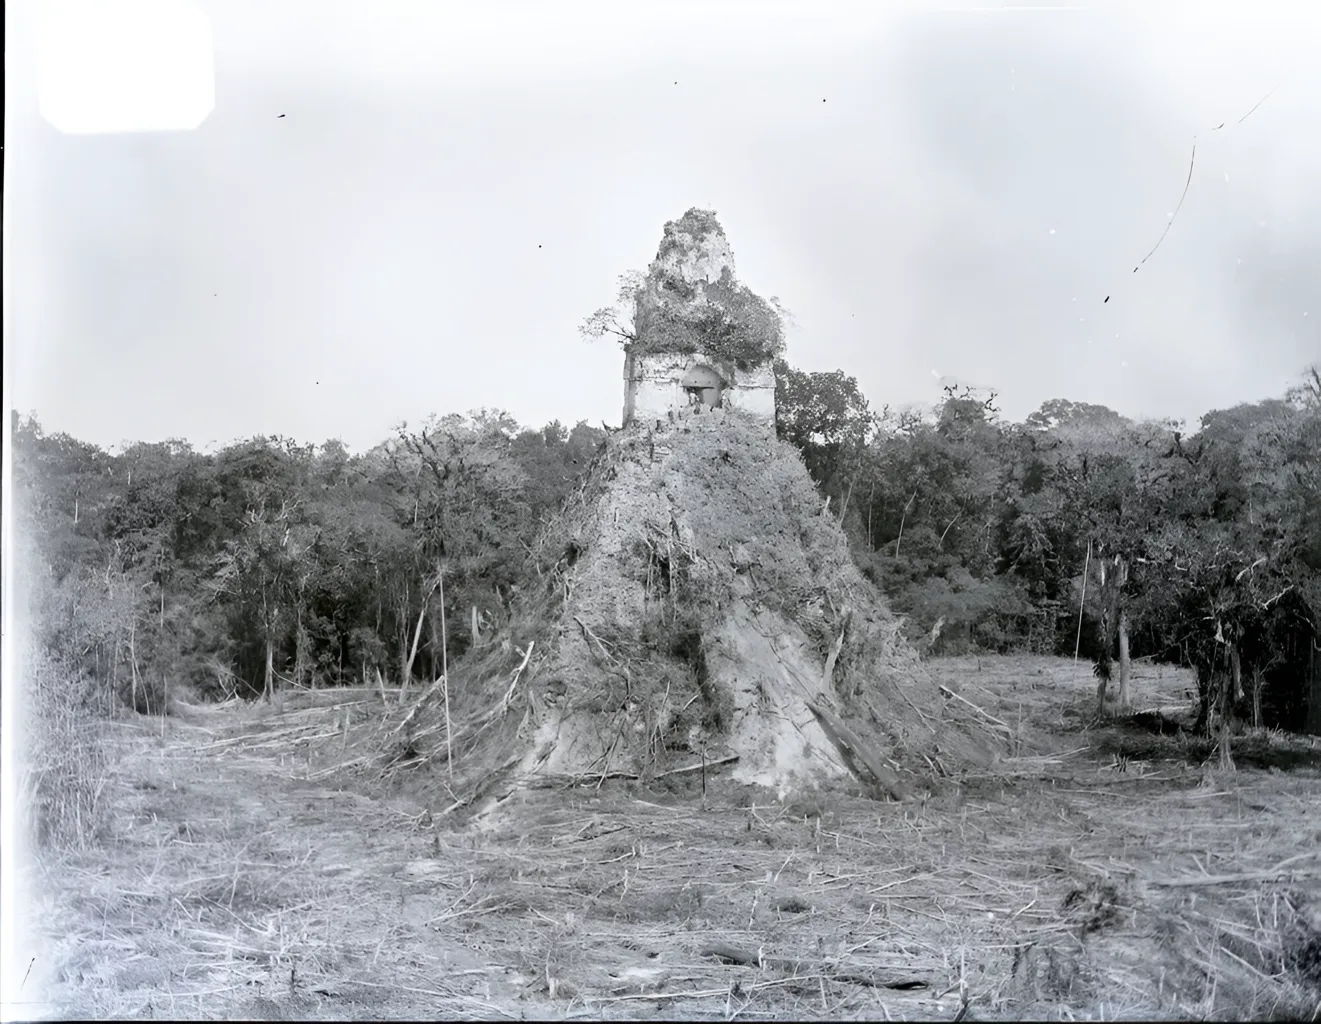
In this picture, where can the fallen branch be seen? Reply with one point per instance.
(697, 767)
(730, 954)
(592, 636)
(1247, 876)
(828, 674)
(855, 752)
(418, 703)
(1269, 875)
(726, 953)
(981, 711)
(920, 713)
(509, 694)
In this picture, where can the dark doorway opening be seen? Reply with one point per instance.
(704, 386)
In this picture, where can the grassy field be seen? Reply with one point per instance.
(1097, 873)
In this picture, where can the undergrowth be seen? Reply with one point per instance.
(64, 764)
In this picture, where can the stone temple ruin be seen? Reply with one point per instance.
(702, 340)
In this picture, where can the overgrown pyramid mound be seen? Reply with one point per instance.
(699, 615)
(698, 609)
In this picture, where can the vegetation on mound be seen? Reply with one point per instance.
(625, 660)
(724, 321)
(668, 311)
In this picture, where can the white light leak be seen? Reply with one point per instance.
(1124, 363)
(935, 374)
(146, 65)
(1169, 215)
(1226, 175)
(1052, 231)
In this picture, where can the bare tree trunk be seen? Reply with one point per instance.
(445, 675)
(300, 645)
(417, 635)
(1258, 683)
(1236, 666)
(1226, 756)
(408, 661)
(114, 667)
(1108, 617)
(844, 508)
(871, 497)
(941, 545)
(1082, 602)
(1205, 697)
(1125, 666)
(401, 633)
(270, 667)
(476, 632)
(444, 636)
(903, 519)
(133, 659)
(1314, 689)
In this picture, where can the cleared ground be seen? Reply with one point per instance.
(1096, 873)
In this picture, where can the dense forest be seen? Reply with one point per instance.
(272, 563)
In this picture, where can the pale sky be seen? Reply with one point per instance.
(454, 187)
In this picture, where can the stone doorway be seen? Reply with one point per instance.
(704, 387)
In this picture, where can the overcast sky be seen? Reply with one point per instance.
(934, 191)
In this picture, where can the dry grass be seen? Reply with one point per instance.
(231, 887)
(62, 788)
(238, 879)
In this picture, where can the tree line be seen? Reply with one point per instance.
(273, 563)
(1198, 546)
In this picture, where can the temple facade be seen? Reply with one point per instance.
(658, 385)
